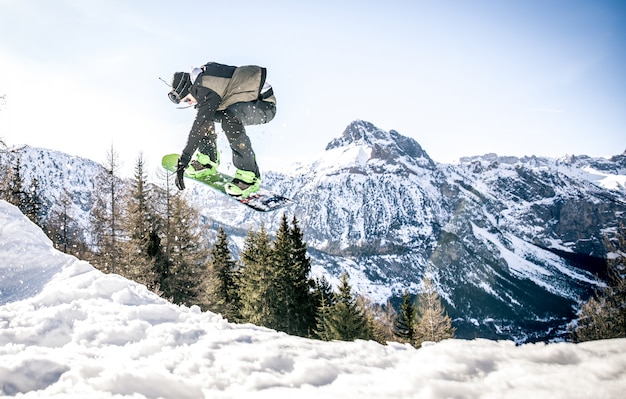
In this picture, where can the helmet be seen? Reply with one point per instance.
(181, 84)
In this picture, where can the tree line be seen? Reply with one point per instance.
(271, 285)
(152, 235)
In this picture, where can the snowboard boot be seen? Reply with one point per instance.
(243, 184)
(203, 166)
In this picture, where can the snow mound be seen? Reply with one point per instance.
(67, 330)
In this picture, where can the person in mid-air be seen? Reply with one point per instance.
(235, 97)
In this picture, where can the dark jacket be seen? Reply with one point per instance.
(216, 88)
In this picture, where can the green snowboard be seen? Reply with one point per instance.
(262, 200)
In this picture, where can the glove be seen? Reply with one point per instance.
(180, 172)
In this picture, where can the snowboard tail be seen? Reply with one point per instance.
(263, 200)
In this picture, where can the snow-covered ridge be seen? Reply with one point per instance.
(608, 173)
(69, 331)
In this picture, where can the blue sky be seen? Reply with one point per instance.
(527, 77)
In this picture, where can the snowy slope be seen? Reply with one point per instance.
(69, 331)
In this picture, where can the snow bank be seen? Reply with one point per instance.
(69, 331)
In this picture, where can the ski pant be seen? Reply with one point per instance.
(233, 120)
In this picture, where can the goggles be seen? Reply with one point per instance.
(174, 97)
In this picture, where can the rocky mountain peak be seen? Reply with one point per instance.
(388, 146)
(360, 133)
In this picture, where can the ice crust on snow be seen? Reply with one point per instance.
(70, 331)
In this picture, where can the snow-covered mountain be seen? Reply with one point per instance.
(56, 173)
(70, 331)
(512, 243)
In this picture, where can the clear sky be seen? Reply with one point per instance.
(462, 77)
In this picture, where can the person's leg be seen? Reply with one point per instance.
(208, 144)
(207, 160)
(247, 178)
(254, 112)
(243, 154)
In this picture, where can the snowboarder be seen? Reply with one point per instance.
(235, 97)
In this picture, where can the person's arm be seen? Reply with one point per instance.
(208, 102)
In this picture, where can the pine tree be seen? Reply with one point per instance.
(404, 325)
(345, 320)
(63, 230)
(181, 278)
(16, 194)
(432, 322)
(141, 249)
(323, 293)
(58, 227)
(258, 293)
(27, 199)
(295, 307)
(222, 291)
(283, 273)
(604, 315)
(275, 288)
(106, 216)
(33, 206)
(323, 318)
(162, 245)
(304, 306)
